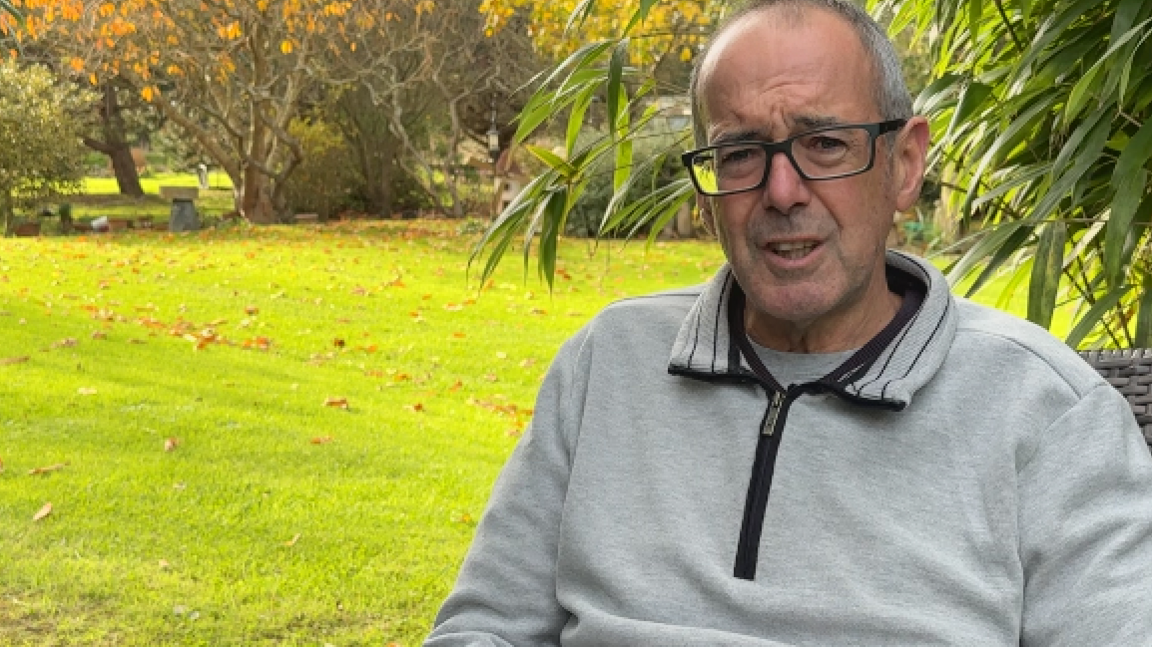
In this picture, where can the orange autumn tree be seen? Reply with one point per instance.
(559, 27)
(231, 73)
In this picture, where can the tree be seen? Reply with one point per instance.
(421, 87)
(1042, 111)
(231, 74)
(41, 155)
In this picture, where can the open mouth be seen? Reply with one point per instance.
(793, 251)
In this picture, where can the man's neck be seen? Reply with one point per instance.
(829, 334)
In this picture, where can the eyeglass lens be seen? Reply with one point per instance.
(822, 154)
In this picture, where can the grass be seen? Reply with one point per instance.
(100, 197)
(274, 519)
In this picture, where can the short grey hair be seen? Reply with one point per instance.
(890, 94)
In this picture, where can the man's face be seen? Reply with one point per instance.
(808, 254)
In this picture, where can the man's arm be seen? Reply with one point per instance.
(506, 591)
(1086, 529)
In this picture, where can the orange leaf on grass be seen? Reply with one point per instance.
(50, 468)
(99, 334)
(459, 335)
(339, 403)
(321, 440)
(251, 310)
(418, 407)
(338, 343)
(44, 512)
(171, 443)
(14, 360)
(65, 343)
(292, 542)
(1, 465)
(456, 386)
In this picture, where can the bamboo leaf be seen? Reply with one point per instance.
(971, 98)
(1047, 268)
(975, 12)
(615, 84)
(1009, 246)
(639, 15)
(1130, 179)
(579, 14)
(576, 121)
(1143, 335)
(988, 244)
(554, 161)
(1085, 146)
(1095, 315)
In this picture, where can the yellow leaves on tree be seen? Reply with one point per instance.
(671, 25)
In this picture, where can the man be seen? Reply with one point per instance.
(821, 446)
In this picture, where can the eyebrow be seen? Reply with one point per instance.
(802, 124)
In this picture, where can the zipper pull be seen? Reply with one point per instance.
(773, 413)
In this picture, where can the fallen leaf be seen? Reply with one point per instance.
(292, 542)
(338, 343)
(14, 360)
(65, 343)
(491, 377)
(341, 403)
(164, 565)
(85, 390)
(456, 386)
(50, 468)
(418, 407)
(99, 334)
(527, 363)
(251, 310)
(44, 512)
(459, 335)
(322, 440)
(171, 443)
(1, 465)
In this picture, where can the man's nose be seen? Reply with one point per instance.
(784, 188)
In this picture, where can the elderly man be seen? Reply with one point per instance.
(821, 446)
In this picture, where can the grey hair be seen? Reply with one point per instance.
(890, 94)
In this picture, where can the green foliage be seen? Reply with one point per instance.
(41, 154)
(324, 181)
(631, 109)
(1042, 111)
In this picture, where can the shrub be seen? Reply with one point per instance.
(325, 181)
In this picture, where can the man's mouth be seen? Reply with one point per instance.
(793, 251)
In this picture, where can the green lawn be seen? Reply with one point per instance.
(274, 519)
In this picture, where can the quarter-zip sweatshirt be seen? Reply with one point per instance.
(963, 479)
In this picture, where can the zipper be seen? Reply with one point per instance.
(767, 448)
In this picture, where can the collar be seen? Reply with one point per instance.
(886, 372)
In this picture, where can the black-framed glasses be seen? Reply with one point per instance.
(823, 154)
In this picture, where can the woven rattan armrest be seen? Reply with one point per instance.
(1130, 371)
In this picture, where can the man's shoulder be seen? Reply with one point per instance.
(1007, 340)
(672, 305)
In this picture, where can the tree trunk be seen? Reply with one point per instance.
(256, 198)
(124, 167)
(115, 144)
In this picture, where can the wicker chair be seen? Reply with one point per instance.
(1130, 371)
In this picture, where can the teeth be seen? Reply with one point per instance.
(787, 247)
(792, 250)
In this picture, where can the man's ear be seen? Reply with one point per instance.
(909, 162)
(704, 206)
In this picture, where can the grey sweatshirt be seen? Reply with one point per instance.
(976, 484)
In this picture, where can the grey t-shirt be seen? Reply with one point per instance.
(798, 368)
